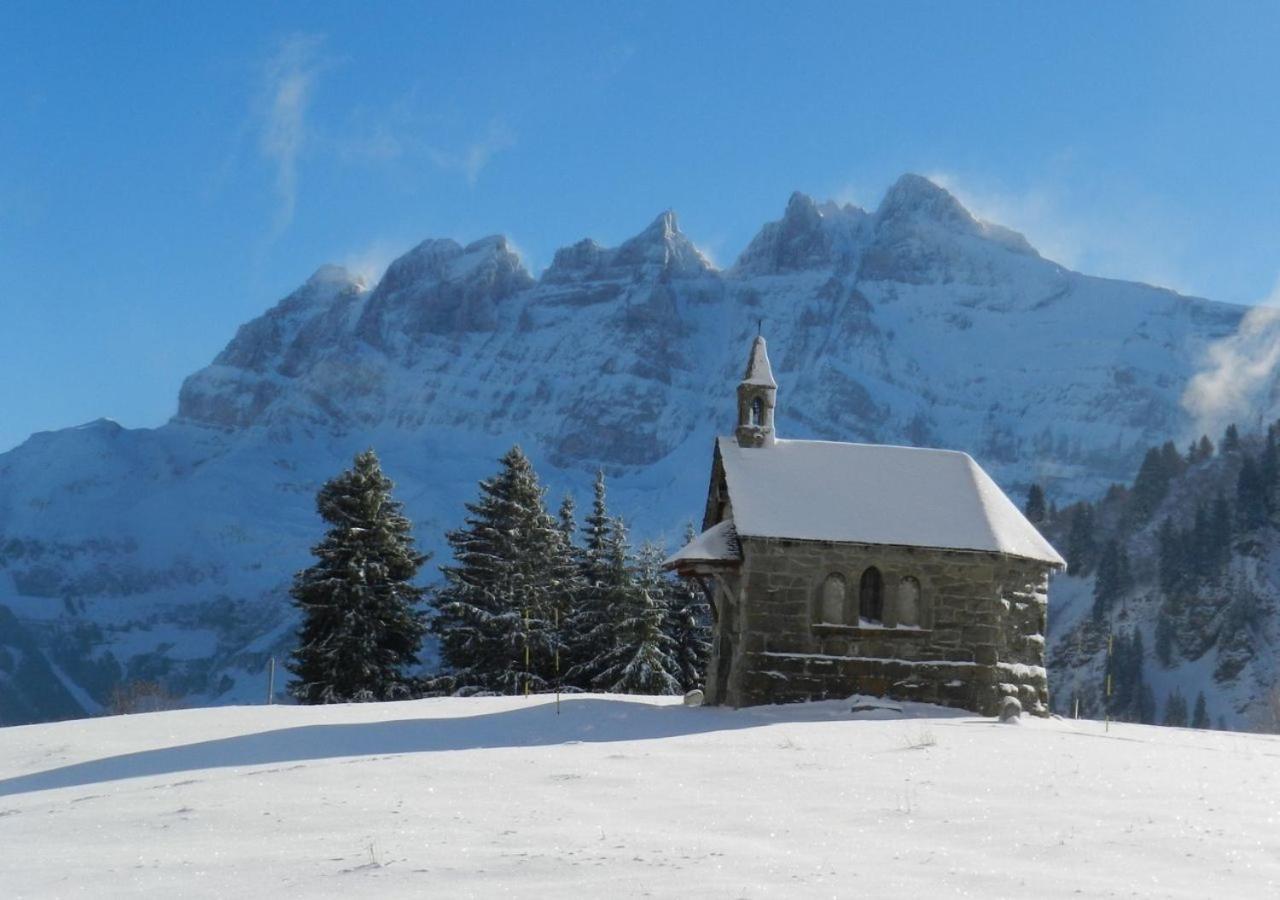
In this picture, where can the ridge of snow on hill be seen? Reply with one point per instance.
(631, 796)
(163, 554)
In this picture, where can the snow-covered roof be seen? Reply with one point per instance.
(719, 543)
(758, 369)
(873, 494)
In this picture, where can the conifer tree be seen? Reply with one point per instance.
(1172, 562)
(1159, 466)
(1251, 503)
(361, 628)
(1113, 578)
(601, 573)
(499, 612)
(1231, 439)
(1205, 448)
(1200, 717)
(1222, 527)
(1175, 709)
(641, 660)
(1035, 505)
(689, 625)
(1164, 637)
(611, 597)
(1081, 545)
(568, 522)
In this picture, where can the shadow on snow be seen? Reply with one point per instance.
(585, 720)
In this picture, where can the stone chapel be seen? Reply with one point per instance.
(837, 569)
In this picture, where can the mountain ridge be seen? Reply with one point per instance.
(165, 552)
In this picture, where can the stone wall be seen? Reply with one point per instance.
(980, 634)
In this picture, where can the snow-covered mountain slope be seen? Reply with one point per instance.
(1205, 609)
(163, 554)
(631, 796)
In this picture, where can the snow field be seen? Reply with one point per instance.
(631, 797)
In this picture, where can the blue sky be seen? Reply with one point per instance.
(168, 171)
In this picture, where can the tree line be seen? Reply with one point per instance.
(529, 601)
(1218, 511)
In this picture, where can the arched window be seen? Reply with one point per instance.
(831, 600)
(909, 601)
(871, 595)
(757, 411)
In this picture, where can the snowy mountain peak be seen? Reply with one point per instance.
(808, 236)
(662, 249)
(914, 202)
(331, 275)
(801, 209)
(580, 261)
(887, 328)
(916, 196)
(440, 287)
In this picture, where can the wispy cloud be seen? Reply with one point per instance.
(369, 263)
(1238, 380)
(289, 80)
(1133, 238)
(471, 160)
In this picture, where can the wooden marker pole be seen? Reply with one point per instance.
(1108, 700)
(556, 620)
(271, 681)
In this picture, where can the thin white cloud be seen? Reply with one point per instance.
(369, 263)
(289, 79)
(1238, 380)
(472, 159)
(1131, 238)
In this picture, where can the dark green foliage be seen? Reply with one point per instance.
(1173, 562)
(1200, 451)
(641, 659)
(1200, 718)
(1220, 520)
(689, 626)
(1231, 439)
(605, 581)
(1164, 638)
(500, 612)
(361, 627)
(1175, 710)
(1131, 699)
(567, 521)
(1081, 543)
(1159, 467)
(1113, 578)
(1251, 495)
(1190, 557)
(1035, 505)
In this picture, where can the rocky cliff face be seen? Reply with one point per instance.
(165, 553)
(1195, 611)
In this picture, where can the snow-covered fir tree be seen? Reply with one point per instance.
(641, 660)
(689, 626)
(361, 628)
(567, 519)
(501, 611)
(604, 578)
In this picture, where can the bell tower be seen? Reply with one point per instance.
(756, 394)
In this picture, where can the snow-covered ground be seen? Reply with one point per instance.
(631, 797)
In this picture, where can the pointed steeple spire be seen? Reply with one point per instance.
(758, 369)
(756, 396)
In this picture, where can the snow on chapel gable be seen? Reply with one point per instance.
(854, 568)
